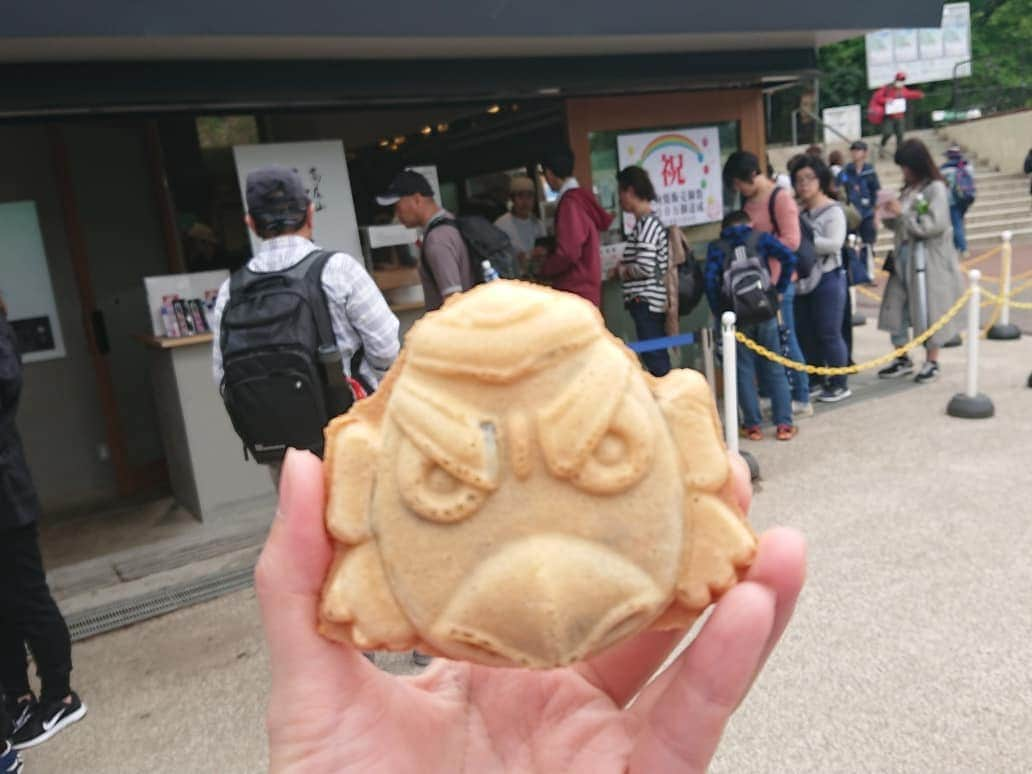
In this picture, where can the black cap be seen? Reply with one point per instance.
(858, 145)
(405, 183)
(275, 192)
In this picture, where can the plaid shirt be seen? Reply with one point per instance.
(358, 311)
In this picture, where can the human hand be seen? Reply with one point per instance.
(894, 207)
(330, 710)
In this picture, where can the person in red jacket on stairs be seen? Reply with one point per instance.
(574, 264)
(888, 107)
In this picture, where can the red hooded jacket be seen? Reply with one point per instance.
(889, 92)
(576, 264)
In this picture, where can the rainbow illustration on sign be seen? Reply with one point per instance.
(665, 141)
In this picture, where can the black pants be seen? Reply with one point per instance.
(29, 616)
(650, 325)
(892, 126)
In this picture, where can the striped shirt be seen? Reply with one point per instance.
(358, 312)
(644, 264)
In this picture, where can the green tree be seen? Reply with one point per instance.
(1001, 67)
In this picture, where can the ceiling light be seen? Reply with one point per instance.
(442, 127)
(426, 131)
(399, 140)
(494, 109)
(384, 142)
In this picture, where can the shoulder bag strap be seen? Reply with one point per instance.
(770, 210)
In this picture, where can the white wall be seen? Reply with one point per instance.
(1001, 140)
(59, 417)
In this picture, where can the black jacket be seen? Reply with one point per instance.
(19, 504)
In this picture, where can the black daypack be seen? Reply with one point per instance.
(282, 378)
(806, 253)
(484, 242)
(747, 289)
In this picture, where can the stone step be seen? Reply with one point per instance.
(1020, 233)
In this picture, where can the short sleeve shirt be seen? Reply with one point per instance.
(444, 266)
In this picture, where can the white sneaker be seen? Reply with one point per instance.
(800, 409)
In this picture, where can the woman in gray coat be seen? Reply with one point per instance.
(921, 220)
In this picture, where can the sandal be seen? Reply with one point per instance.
(787, 432)
(752, 433)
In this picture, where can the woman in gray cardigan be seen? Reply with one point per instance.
(921, 220)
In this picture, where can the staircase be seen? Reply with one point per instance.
(1002, 202)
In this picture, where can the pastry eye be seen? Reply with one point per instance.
(623, 454)
(431, 491)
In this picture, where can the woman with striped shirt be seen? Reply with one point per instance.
(643, 268)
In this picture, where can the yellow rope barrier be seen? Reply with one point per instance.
(857, 368)
(998, 299)
(972, 262)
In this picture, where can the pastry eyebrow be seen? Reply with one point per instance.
(451, 436)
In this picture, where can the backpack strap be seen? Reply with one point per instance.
(311, 269)
(770, 210)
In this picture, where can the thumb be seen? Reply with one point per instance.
(289, 578)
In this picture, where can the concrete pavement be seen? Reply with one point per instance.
(909, 650)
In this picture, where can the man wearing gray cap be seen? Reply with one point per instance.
(280, 213)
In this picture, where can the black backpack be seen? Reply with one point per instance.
(282, 379)
(747, 289)
(691, 284)
(484, 242)
(806, 253)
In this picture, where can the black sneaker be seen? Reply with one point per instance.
(929, 372)
(19, 710)
(901, 366)
(834, 395)
(10, 760)
(45, 720)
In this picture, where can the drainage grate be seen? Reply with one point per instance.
(106, 618)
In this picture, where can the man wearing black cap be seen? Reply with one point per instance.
(444, 268)
(281, 215)
(860, 182)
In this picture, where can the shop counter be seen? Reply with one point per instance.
(206, 465)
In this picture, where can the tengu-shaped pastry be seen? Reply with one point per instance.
(519, 492)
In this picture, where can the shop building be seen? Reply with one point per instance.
(118, 126)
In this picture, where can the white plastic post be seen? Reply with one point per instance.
(727, 329)
(1005, 287)
(706, 336)
(973, 333)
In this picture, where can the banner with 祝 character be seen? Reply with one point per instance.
(684, 166)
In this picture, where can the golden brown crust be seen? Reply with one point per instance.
(520, 492)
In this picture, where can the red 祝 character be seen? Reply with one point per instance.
(673, 169)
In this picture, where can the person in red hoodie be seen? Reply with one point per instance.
(574, 264)
(890, 102)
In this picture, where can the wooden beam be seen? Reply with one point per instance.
(163, 198)
(87, 303)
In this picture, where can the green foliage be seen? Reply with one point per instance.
(1001, 70)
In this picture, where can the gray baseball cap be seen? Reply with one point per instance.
(275, 192)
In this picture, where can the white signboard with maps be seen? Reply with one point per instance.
(924, 55)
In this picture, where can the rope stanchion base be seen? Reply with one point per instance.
(754, 466)
(963, 406)
(1000, 332)
(956, 341)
